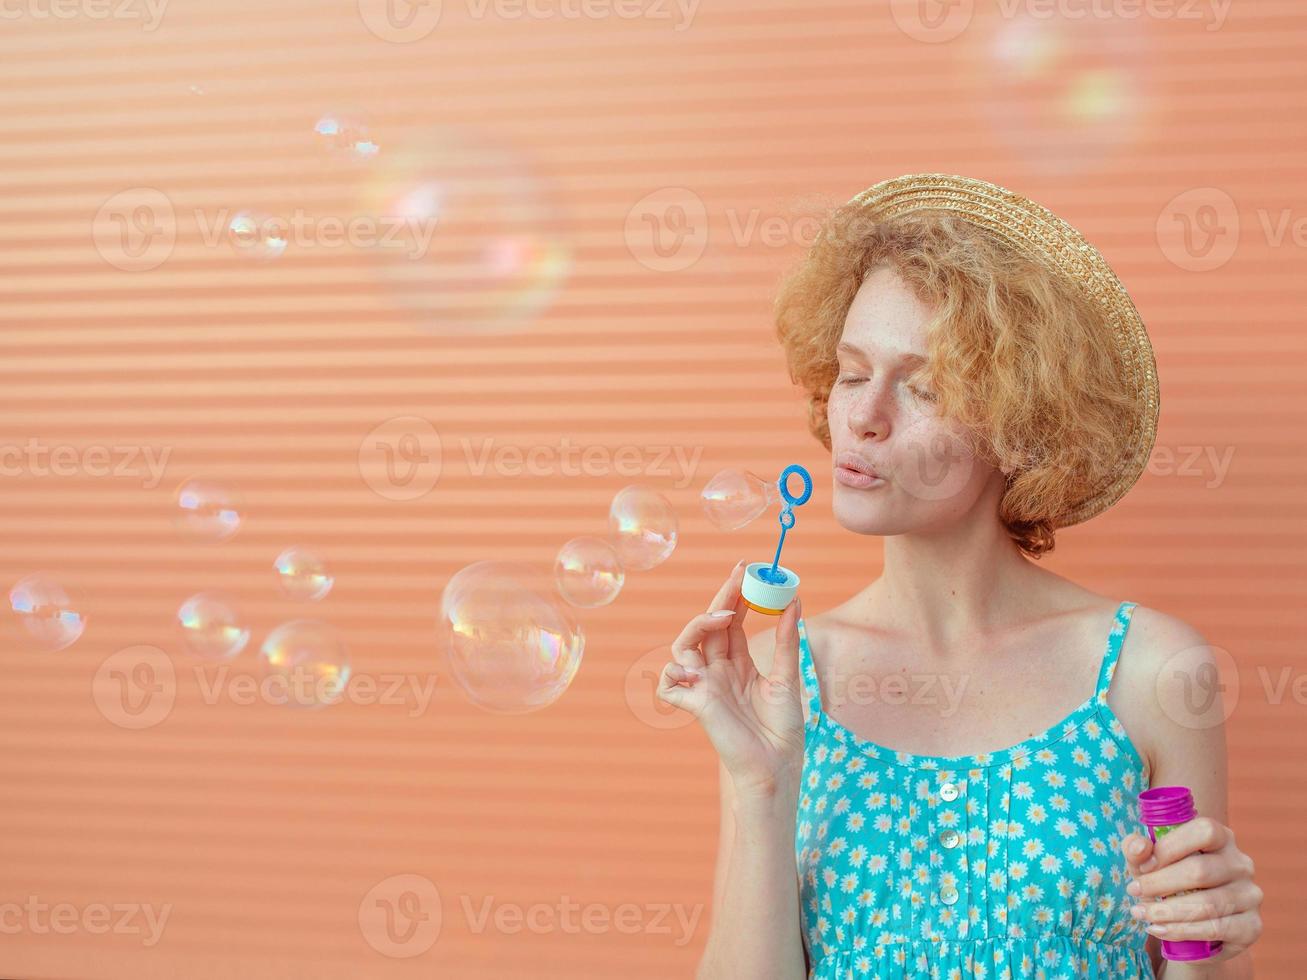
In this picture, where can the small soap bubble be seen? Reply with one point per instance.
(257, 236)
(303, 575)
(589, 572)
(210, 627)
(207, 511)
(642, 527)
(346, 137)
(735, 497)
(511, 642)
(305, 664)
(48, 613)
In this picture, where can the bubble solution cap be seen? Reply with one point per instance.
(768, 597)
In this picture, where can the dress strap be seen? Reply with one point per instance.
(808, 673)
(1120, 624)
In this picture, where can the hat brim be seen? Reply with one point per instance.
(1041, 235)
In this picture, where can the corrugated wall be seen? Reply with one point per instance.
(544, 323)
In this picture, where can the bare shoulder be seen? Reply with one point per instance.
(1165, 672)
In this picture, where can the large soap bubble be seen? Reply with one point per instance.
(474, 242)
(511, 642)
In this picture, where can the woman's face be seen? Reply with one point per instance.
(927, 476)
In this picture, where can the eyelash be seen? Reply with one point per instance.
(923, 395)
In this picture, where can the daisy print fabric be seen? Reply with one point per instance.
(1001, 865)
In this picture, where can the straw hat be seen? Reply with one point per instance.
(1042, 236)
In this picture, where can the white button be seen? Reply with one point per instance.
(948, 895)
(949, 838)
(948, 791)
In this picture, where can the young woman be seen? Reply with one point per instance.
(943, 758)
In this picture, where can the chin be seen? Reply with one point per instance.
(864, 516)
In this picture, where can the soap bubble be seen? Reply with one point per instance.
(258, 236)
(308, 661)
(1065, 95)
(50, 615)
(589, 572)
(512, 644)
(346, 137)
(210, 627)
(208, 511)
(642, 527)
(483, 250)
(303, 575)
(734, 498)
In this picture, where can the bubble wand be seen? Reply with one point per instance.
(770, 588)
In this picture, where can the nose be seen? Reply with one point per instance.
(870, 410)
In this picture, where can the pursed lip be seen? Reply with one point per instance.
(854, 462)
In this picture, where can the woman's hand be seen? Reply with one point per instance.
(1200, 855)
(755, 723)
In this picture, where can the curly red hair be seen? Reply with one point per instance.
(1014, 354)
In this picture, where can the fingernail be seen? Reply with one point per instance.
(722, 613)
(1148, 865)
(1136, 847)
(1133, 888)
(692, 671)
(1157, 930)
(1137, 911)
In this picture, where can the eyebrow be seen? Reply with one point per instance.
(844, 347)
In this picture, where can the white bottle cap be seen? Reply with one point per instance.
(764, 596)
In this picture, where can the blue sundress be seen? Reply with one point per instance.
(1001, 865)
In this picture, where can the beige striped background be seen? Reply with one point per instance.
(264, 829)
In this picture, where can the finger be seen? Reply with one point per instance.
(1192, 871)
(1202, 834)
(1137, 849)
(1208, 903)
(679, 674)
(1240, 930)
(785, 658)
(686, 647)
(669, 688)
(730, 589)
(728, 599)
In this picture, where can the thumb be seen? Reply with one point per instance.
(1138, 848)
(785, 657)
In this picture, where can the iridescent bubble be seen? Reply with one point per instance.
(642, 527)
(210, 627)
(347, 137)
(51, 616)
(589, 572)
(734, 498)
(257, 236)
(482, 248)
(207, 511)
(512, 644)
(305, 664)
(1067, 94)
(302, 574)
